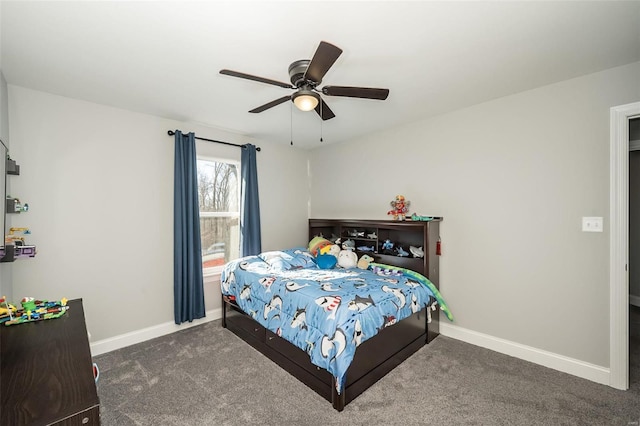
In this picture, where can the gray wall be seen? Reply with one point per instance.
(5, 268)
(512, 179)
(99, 182)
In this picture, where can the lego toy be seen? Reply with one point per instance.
(32, 310)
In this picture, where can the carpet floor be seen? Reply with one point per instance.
(205, 375)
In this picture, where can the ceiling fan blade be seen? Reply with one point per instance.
(356, 92)
(325, 56)
(324, 111)
(256, 78)
(271, 104)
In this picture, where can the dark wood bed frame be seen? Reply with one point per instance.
(374, 358)
(372, 361)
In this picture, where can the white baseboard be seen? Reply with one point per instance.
(634, 300)
(552, 360)
(111, 344)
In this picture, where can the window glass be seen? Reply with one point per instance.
(219, 200)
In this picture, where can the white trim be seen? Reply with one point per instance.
(220, 214)
(112, 343)
(619, 244)
(552, 360)
(634, 300)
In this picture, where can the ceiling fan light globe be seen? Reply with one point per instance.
(305, 101)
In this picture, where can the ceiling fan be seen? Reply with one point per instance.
(306, 75)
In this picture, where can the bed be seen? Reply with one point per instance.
(310, 321)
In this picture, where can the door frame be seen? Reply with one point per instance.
(619, 244)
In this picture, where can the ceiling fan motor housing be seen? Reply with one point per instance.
(297, 71)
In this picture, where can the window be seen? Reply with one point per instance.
(219, 200)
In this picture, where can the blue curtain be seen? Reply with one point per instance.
(188, 288)
(250, 242)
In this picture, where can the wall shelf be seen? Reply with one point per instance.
(11, 252)
(12, 167)
(17, 250)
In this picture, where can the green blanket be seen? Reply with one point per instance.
(422, 280)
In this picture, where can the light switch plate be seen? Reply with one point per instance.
(592, 224)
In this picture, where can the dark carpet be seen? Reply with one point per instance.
(205, 375)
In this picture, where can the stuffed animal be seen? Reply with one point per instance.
(318, 245)
(364, 261)
(334, 250)
(326, 261)
(416, 251)
(349, 245)
(347, 259)
(400, 207)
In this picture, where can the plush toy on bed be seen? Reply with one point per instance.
(364, 261)
(319, 245)
(347, 259)
(326, 261)
(328, 257)
(325, 252)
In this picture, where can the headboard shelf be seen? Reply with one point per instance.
(424, 234)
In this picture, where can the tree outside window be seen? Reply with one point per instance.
(218, 197)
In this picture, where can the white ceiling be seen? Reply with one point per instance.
(163, 58)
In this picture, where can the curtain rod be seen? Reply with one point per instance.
(171, 133)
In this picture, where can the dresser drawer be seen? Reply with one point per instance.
(88, 417)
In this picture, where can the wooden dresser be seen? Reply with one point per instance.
(46, 372)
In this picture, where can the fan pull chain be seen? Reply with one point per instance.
(291, 121)
(321, 120)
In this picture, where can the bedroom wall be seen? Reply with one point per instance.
(512, 178)
(5, 268)
(99, 183)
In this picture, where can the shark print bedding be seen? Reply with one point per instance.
(326, 312)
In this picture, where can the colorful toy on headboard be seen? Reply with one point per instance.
(400, 207)
(416, 217)
(387, 247)
(35, 310)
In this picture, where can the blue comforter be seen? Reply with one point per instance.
(326, 312)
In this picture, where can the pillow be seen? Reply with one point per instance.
(286, 260)
(300, 258)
